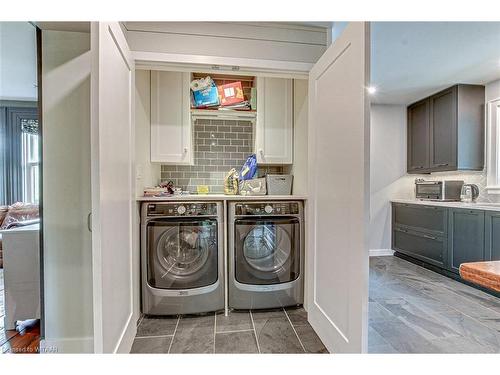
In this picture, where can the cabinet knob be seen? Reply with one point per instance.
(185, 150)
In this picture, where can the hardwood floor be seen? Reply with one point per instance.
(11, 341)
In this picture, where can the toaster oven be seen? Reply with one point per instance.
(448, 190)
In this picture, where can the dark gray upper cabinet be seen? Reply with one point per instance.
(418, 137)
(466, 237)
(443, 130)
(446, 131)
(492, 235)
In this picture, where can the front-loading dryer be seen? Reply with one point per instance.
(266, 254)
(182, 257)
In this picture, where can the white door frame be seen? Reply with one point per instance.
(100, 30)
(338, 206)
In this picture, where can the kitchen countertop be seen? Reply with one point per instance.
(221, 197)
(485, 206)
(485, 274)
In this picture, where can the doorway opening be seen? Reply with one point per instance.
(20, 189)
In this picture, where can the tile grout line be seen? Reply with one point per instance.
(254, 331)
(153, 337)
(215, 328)
(140, 320)
(296, 334)
(173, 335)
(235, 331)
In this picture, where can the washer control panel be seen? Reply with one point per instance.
(182, 209)
(267, 208)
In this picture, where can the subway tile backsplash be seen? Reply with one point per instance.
(218, 146)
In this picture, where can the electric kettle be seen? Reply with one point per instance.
(469, 193)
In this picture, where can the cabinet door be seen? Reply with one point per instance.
(171, 135)
(420, 218)
(443, 130)
(492, 235)
(424, 246)
(418, 137)
(274, 129)
(466, 237)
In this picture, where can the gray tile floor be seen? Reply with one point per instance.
(272, 331)
(415, 310)
(411, 310)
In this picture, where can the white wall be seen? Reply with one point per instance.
(67, 247)
(493, 90)
(147, 174)
(18, 63)
(387, 166)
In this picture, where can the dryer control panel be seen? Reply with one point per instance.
(182, 209)
(267, 208)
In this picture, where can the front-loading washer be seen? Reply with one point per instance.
(266, 254)
(182, 257)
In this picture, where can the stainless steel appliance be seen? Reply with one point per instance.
(470, 192)
(445, 190)
(265, 254)
(182, 257)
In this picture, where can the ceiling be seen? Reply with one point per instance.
(411, 60)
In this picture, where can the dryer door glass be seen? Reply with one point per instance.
(267, 251)
(182, 255)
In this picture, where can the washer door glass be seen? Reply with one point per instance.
(182, 255)
(267, 248)
(267, 251)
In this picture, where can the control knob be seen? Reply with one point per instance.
(268, 209)
(181, 210)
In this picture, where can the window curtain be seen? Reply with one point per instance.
(13, 122)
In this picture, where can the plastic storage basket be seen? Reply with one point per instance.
(279, 184)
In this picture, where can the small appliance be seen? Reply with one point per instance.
(469, 194)
(444, 190)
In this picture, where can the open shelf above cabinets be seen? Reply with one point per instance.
(248, 90)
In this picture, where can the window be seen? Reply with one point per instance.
(493, 147)
(30, 160)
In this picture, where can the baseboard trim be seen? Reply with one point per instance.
(127, 337)
(381, 252)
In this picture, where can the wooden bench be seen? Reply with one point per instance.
(485, 274)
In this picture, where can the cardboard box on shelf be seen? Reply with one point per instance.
(230, 93)
(207, 97)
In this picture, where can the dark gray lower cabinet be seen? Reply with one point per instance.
(465, 237)
(426, 247)
(445, 237)
(420, 231)
(492, 235)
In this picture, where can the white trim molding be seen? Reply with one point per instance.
(492, 146)
(381, 252)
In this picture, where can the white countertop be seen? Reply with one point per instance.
(485, 206)
(221, 197)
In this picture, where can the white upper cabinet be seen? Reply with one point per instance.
(171, 129)
(274, 127)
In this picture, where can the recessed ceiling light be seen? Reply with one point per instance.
(371, 90)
